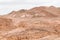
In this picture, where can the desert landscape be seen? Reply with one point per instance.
(38, 23)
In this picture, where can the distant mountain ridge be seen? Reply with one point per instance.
(38, 11)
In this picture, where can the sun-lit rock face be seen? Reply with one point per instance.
(38, 23)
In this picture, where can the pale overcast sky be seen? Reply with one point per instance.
(7, 6)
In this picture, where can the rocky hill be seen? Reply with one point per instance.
(38, 23)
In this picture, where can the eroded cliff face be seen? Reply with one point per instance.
(39, 23)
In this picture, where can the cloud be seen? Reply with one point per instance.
(30, 2)
(6, 0)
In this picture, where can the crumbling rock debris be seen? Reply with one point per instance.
(38, 23)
